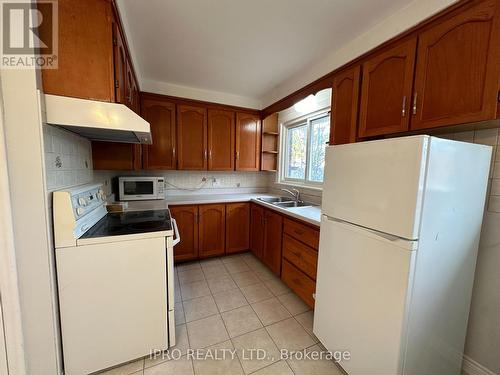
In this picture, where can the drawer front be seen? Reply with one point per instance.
(296, 280)
(303, 233)
(300, 255)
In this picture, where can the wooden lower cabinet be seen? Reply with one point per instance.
(257, 230)
(273, 230)
(212, 228)
(299, 282)
(237, 227)
(302, 256)
(187, 222)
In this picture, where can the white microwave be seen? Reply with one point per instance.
(141, 188)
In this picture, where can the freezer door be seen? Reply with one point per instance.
(377, 184)
(362, 292)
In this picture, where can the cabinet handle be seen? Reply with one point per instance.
(403, 110)
(299, 232)
(173, 153)
(414, 104)
(297, 254)
(210, 154)
(205, 154)
(237, 155)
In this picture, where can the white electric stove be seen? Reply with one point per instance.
(115, 280)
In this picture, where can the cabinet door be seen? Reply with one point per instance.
(386, 90)
(212, 228)
(458, 68)
(187, 222)
(116, 156)
(120, 66)
(161, 117)
(237, 227)
(221, 128)
(344, 111)
(257, 230)
(133, 91)
(192, 137)
(85, 57)
(273, 230)
(247, 142)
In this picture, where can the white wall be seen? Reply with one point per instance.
(32, 238)
(402, 20)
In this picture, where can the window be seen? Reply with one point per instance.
(304, 143)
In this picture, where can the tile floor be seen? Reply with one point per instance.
(235, 303)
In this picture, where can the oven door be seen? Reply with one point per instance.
(138, 188)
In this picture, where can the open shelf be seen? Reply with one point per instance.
(270, 141)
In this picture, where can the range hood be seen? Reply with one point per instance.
(95, 120)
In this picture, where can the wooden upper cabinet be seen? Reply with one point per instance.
(116, 156)
(386, 90)
(212, 227)
(344, 109)
(458, 65)
(85, 58)
(273, 230)
(247, 142)
(187, 222)
(192, 137)
(237, 227)
(221, 139)
(161, 117)
(257, 230)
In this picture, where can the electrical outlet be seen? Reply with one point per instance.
(215, 182)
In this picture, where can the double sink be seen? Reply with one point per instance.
(285, 202)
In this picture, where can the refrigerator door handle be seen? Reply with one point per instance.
(386, 236)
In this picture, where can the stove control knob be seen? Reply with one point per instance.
(100, 194)
(80, 211)
(82, 201)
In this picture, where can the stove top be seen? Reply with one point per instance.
(130, 222)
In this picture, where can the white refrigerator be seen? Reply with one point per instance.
(400, 226)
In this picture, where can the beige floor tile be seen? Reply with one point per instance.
(194, 290)
(256, 292)
(126, 369)
(210, 262)
(245, 278)
(230, 300)
(187, 266)
(199, 308)
(181, 347)
(215, 271)
(182, 366)
(180, 318)
(206, 332)
(259, 339)
(276, 286)
(191, 275)
(316, 367)
(240, 321)
(278, 368)
(221, 284)
(270, 311)
(218, 361)
(236, 267)
(293, 303)
(306, 320)
(235, 258)
(290, 335)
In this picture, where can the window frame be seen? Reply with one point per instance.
(284, 151)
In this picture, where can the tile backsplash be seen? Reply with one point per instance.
(68, 158)
(197, 182)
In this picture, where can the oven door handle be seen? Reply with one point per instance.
(177, 236)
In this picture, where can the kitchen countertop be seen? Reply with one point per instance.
(310, 214)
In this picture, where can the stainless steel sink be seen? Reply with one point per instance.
(275, 200)
(293, 204)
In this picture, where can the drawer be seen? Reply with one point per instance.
(302, 256)
(301, 232)
(299, 282)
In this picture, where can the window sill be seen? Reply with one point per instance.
(299, 185)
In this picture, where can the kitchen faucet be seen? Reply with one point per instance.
(294, 193)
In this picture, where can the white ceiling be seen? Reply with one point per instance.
(243, 48)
